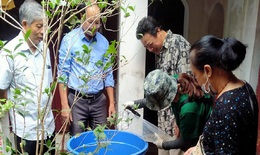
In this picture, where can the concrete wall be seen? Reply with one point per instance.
(131, 74)
(241, 23)
(233, 18)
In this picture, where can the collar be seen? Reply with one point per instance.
(168, 36)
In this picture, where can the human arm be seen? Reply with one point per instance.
(65, 108)
(6, 72)
(141, 103)
(178, 143)
(111, 101)
(188, 120)
(63, 74)
(189, 151)
(3, 94)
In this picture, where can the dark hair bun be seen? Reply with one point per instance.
(233, 54)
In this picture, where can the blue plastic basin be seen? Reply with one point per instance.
(118, 143)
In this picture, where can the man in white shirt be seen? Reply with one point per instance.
(25, 75)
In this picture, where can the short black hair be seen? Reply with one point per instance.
(147, 25)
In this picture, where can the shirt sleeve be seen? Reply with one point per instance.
(6, 71)
(179, 143)
(141, 103)
(183, 61)
(64, 62)
(108, 61)
(189, 122)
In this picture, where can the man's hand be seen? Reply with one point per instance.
(66, 115)
(111, 109)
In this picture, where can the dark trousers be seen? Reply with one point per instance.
(87, 113)
(30, 145)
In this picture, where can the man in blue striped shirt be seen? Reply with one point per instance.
(83, 75)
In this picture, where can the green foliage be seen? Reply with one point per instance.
(5, 107)
(27, 35)
(9, 146)
(65, 12)
(114, 119)
(2, 43)
(102, 4)
(126, 10)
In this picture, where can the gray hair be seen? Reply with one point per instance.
(30, 11)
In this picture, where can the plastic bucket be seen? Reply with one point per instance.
(116, 142)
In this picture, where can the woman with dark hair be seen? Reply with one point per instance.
(191, 107)
(232, 127)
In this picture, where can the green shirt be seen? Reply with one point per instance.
(191, 116)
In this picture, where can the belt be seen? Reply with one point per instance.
(85, 96)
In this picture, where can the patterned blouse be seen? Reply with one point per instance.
(232, 127)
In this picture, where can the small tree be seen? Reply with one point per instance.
(60, 13)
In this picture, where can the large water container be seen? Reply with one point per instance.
(116, 142)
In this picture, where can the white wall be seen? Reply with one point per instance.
(241, 23)
(131, 74)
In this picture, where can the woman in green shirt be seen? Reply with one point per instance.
(190, 106)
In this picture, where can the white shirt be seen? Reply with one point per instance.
(24, 72)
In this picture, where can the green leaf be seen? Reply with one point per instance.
(8, 145)
(124, 10)
(17, 46)
(52, 5)
(86, 49)
(104, 19)
(127, 14)
(53, 85)
(78, 59)
(57, 12)
(17, 91)
(74, 20)
(22, 54)
(27, 35)
(2, 100)
(99, 63)
(81, 124)
(47, 91)
(48, 13)
(102, 4)
(2, 43)
(48, 143)
(112, 48)
(131, 8)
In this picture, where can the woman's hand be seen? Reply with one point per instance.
(176, 130)
(189, 151)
